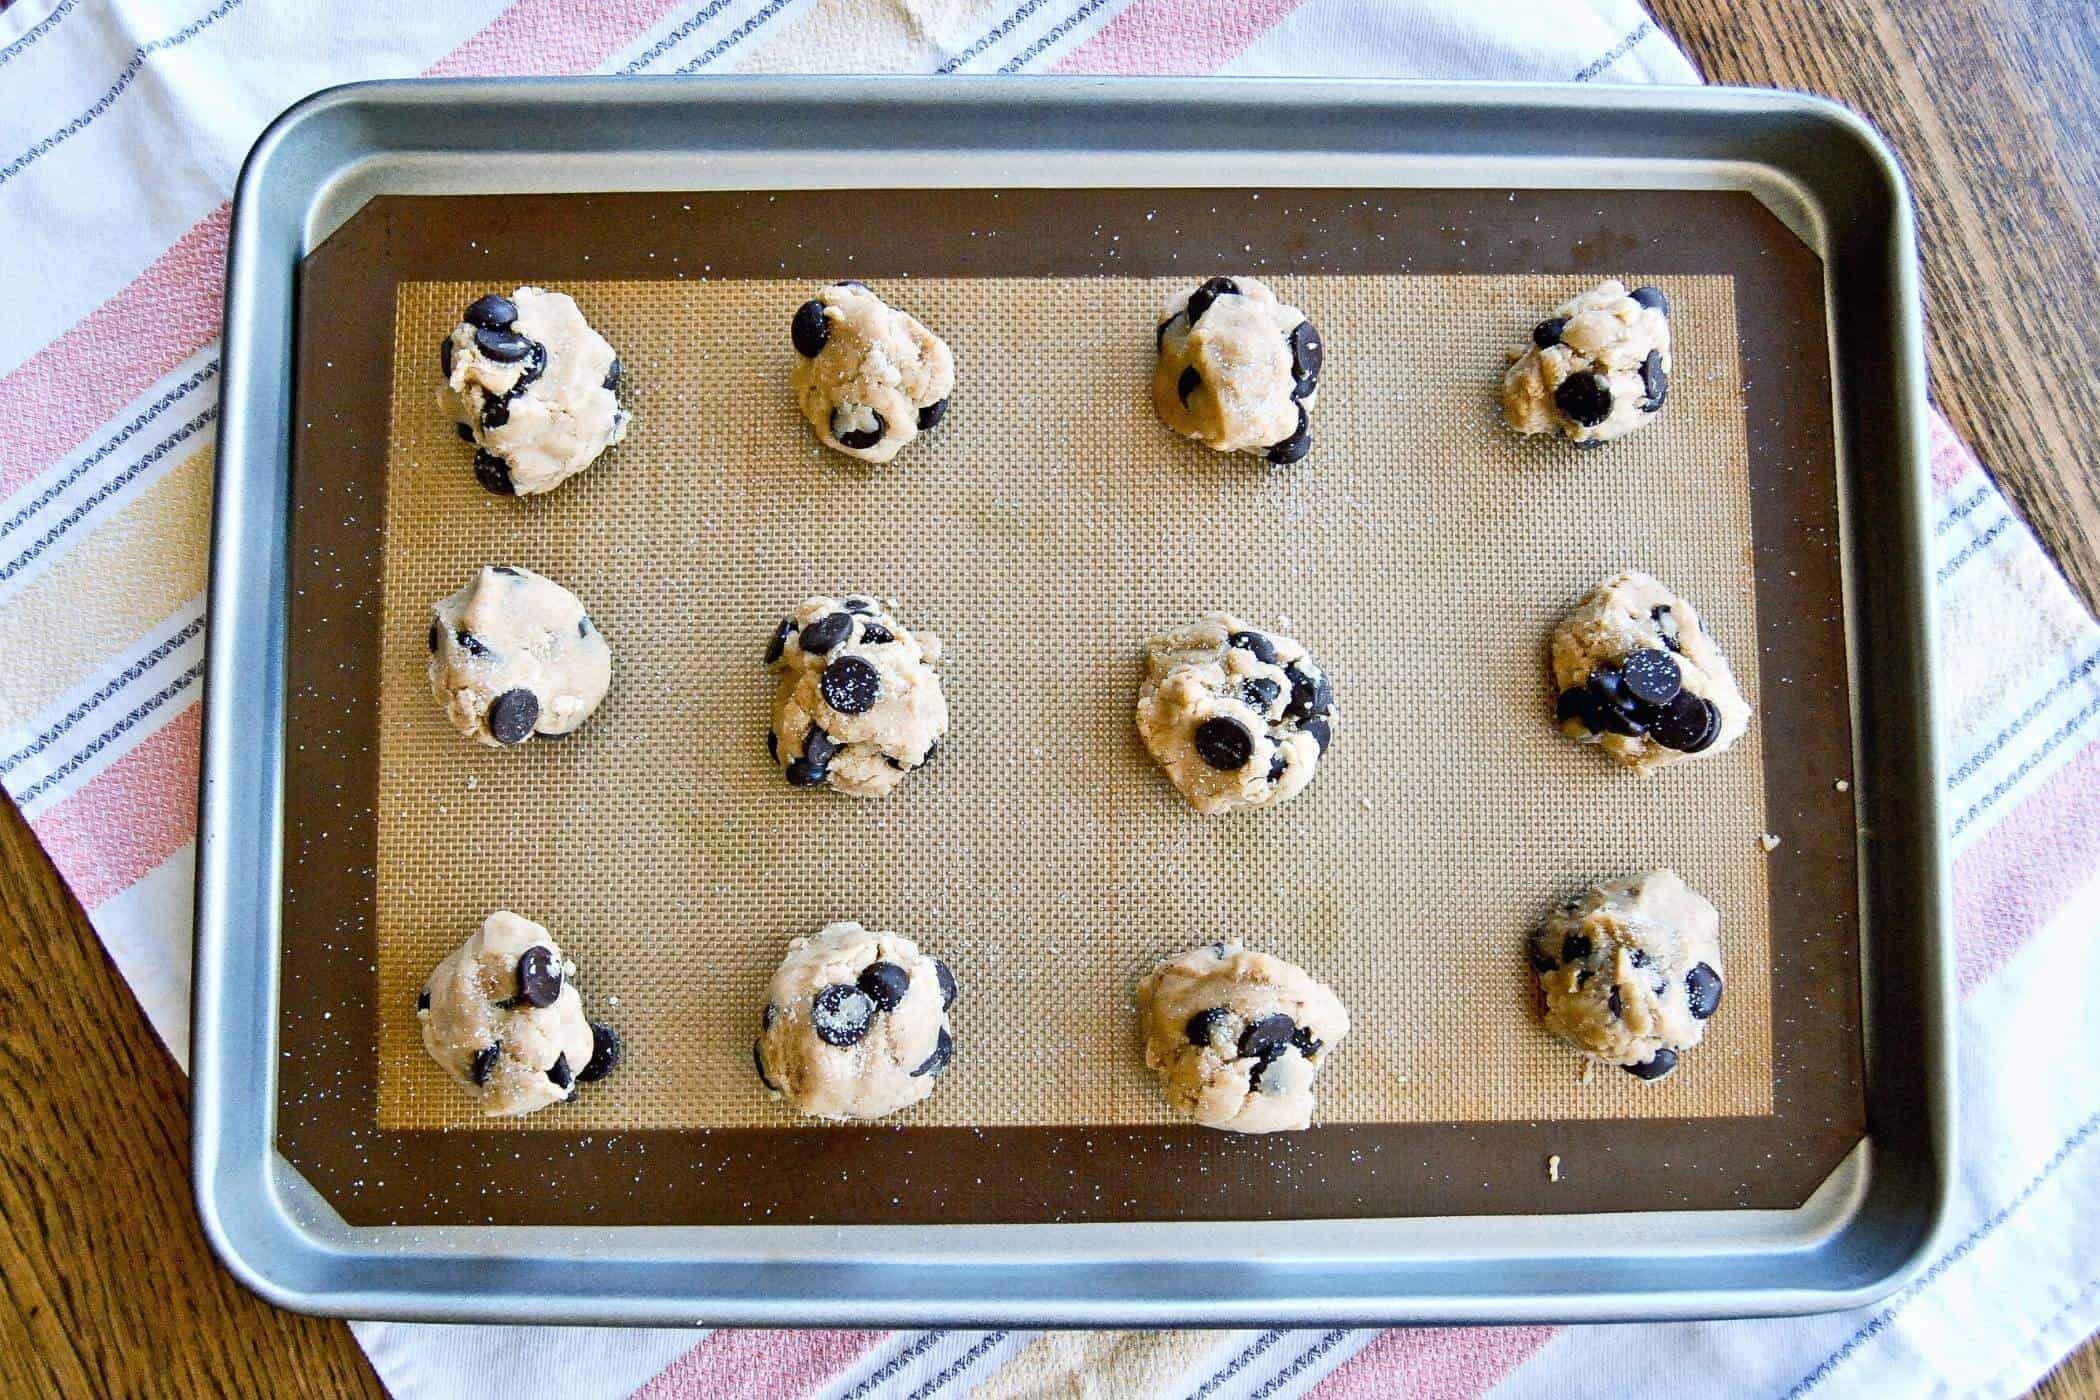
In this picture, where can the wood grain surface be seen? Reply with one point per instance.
(106, 1286)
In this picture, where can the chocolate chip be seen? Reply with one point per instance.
(802, 773)
(818, 746)
(535, 365)
(775, 647)
(484, 1063)
(1546, 334)
(1618, 1006)
(436, 632)
(605, 1054)
(560, 1073)
(1302, 1038)
(859, 605)
(1609, 706)
(583, 627)
(1260, 692)
(1293, 448)
(1702, 990)
(1278, 766)
(507, 346)
(1264, 650)
(1269, 1034)
(612, 375)
(1224, 743)
(1652, 298)
(471, 644)
(1575, 704)
(931, 749)
(941, 974)
(885, 983)
(1689, 723)
(512, 716)
(1321, 730)
(423, 1000)
(932, 414)
(1655, 382)
(1575, 948)
(445, 356)
(811, 329)
(494, 413)
(1189, 382)
(859, 439)
(1306, 358)
(767, 1016)
(494, 474)
(1203, 296)
(826, 632)
(539, 975)
(1585, 398)
(1312, 694)
(492, 313)
(466, 434)
(758, 1063)
(1159, 337)
(943, 1051)
(1203, 1027)
(874, 634)
(1541, 960)
(773, 745)
(851, 685)
(1651, 677)
(1664, 1061)
(506, 570)
(840, 1014)
(1588, 445)
(854, 282)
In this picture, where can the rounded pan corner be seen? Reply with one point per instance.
(253, 1237)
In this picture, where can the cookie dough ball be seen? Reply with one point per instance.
(855, 1024)
(503, 1018)
(1596, 369)
(533, 387)
(869, 377)
(1238, 370)
(1630, 972)
(858, 704)
(1237, 1036)
(513, 655)
(1237, 717)
(1637, 675)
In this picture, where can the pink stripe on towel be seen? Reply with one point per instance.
(1175, 36)
(129, 818)
(2015, 879)
(535, 38)
(1433, 1363)
(742, 1365)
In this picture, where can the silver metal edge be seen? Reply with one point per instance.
(284, 1243)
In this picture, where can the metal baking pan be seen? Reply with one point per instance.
(1817, 169)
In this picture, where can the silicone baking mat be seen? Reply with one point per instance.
(1044, 530)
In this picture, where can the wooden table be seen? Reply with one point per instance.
(105, 1282)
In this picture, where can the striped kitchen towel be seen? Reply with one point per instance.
(122, 131)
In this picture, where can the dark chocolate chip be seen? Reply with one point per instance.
(1321, 730)
(484, 1063)
(494, 413)
(423, 1000)
(583, 627)
(885, 983)
(943, 1051)
(802, 773)
(811, 329)
(1189, 382)
(851, 685)
(560, 1072)
(1588, 445)
(859, 605)
(1261, 1070)
(445, 356)
(854, 282)
(1264, 650)
(1546, 334)
(775, 647)
(471, 644)
(605, 1054)
(826, 632)
(1293, 448)
(539, 975)
(506, 570)
(941, 974)
(436, 632)
(1585, 398)
(1302, 1038)
(466, 434)
(1575, 704)
(932, 414)
(1203, 1027)
(492, 312)
(1270, 1033)
(874, 634)
(767, 1016)
(1665, 626)
(1260, 692)
(507, 346)
(1203, 296)
(1306, 358)
(1665, 1060)
(1652, 298)
(1224, 743)
(758, 1063)
(1655, 382)
(1639, 957)
(818, 746)
(1278, 766)
(1312, 694)
(612, 375)
(1582, 978)
(1651, 677)
(840, 1014)
(1702, 990)
(1541, 960)
(1575, 948)
(1689, 723)
(1159, 338)
(1617, 1005)
(859, 439)
(494, 474)
(773, 745)
(512, 716)
(1610, 706)
(535, 365)
(931, 749)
